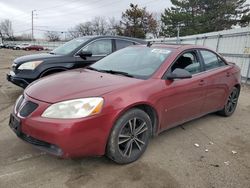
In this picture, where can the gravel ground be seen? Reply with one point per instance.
(171, 160)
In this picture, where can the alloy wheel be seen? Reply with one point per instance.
(132, 137)
(232, 101)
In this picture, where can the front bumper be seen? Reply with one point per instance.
(11, 77)
(65, 138)
(15, 125)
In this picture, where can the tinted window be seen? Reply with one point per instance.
(189, 62)
(140, 62)
(122, 44)
(211, 60)
(100, 47)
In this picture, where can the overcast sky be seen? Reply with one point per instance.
(60, 15)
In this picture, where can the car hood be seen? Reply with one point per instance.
(79, 83)
(34, 57)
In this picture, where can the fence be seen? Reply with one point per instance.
(233, 45)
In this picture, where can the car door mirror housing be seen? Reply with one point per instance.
(84, 54)
(179, 74)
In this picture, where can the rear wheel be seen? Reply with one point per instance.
(231, 103)
(129, 137)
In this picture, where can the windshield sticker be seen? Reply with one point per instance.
(160, 51)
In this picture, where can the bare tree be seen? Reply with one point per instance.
(72, 33)
(24, 37)
(52, 35)
(113, 25)
(82, 29)
(6, 30)
(85, 29)
(157, 29)
(100, 26)
(97, 26)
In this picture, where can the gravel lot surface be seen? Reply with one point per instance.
(171, 160)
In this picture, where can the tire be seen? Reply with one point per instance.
(129, 137)
(231, 103)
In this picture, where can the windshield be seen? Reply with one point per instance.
(69, 46)
(138, 62)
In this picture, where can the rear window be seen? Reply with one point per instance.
(211, 60)
(122, 44)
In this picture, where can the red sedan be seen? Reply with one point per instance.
(114, 106)
(33, 47)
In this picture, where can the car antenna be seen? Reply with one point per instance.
(149, 44)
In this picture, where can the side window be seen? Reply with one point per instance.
(122, 44)
(100, 47)
(211, 60)
(189, 62)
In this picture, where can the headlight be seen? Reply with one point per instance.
(29, 65)
(77, 108)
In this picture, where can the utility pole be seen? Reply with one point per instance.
(32, 25)
(178, 34)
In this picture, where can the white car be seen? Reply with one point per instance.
(20, 46)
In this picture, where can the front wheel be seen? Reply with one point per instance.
(129, 137)
(231, 103)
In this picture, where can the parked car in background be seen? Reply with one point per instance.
(4, 45)
(21, 46)
(73, 54)
(1, 45)
(11, 45)
(115, 105)
(33, 47)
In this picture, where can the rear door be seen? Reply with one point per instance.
(99, 48)
(217, 80)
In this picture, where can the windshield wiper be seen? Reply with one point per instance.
(111, 72)
(117, 72)
(92, 68)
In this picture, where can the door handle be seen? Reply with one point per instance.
(228, 74)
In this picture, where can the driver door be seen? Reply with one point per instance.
(182, 99)
(99, 48)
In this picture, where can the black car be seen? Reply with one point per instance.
(77, 53)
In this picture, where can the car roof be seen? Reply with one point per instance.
(93, 37)
(175, 46)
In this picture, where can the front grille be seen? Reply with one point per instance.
(28, 108)
(24, 108)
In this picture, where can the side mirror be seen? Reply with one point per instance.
(179, 74)
(83, 54)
